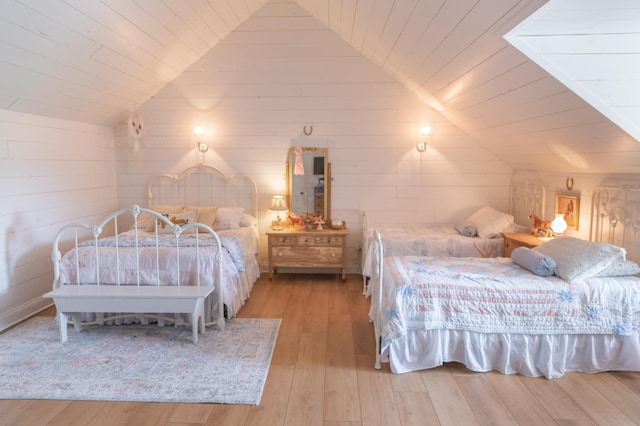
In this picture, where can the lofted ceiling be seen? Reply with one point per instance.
(94, 61)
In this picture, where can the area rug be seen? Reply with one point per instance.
(138, 363)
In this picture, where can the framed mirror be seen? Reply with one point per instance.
(309, 181)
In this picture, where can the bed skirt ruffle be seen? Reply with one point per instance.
(550, 356)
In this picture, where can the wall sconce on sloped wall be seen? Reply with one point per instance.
(198, 131)
(425, 135)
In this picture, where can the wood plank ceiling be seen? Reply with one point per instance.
(94, 60)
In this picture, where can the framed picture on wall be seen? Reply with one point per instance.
(569, 205)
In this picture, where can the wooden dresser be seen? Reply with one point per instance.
(519, 239)
(297, 248)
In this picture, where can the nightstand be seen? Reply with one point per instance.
(513, 240)
(298, 248)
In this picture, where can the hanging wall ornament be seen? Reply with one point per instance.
(136, 132)
(298, 168)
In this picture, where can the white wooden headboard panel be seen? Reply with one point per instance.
(615, 217)
(527, 197)
(203, 185)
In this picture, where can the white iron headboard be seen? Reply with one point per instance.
(615, 217)
(204, 185)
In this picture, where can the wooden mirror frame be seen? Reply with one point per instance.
(327, 179)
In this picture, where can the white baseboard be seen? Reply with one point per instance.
(21, 313)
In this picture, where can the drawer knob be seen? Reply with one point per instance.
(279, 253)
(333, 255)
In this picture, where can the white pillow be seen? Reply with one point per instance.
(489, 222)
(248, 220)
(579, 259)
(620, 268)
(177, 218)
(228, 218)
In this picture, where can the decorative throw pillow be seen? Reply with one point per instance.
(579, 259)
(490, 222)
(466, 228)
(176, 219)
(228, 218)
(534, 261)
(162, 209)
(206, 214)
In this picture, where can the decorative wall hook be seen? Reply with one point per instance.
(307, 132)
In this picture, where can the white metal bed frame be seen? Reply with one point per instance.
(204, 185)
(527, 197)
(199, 185)
(615, 217)
(141, 300)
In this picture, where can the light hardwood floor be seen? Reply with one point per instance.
(322, 374)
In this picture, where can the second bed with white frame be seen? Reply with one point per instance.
(527, 197)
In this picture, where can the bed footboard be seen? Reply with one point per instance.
(135, 275)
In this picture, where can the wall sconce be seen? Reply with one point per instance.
(278, 204)
(558, 225)
(198, 131)
(425, 133)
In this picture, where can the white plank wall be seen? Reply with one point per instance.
(282, 69)
(52, 172)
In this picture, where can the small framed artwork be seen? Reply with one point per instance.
(569, 205)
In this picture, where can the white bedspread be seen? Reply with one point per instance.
(432, 240)
(497, 296)
(490, 314)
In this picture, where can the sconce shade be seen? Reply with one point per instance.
(425, 132)
(278, 203)
(558, 225)
(199, 132)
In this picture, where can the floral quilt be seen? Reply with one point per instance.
(497, 296)
(230, 243)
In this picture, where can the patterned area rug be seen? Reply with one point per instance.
(138, 363)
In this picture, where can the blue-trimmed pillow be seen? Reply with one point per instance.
(534, 261)
(466, 228)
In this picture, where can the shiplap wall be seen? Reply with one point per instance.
(282, 69)
(52, 172)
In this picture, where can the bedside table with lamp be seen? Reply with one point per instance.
(512, 240)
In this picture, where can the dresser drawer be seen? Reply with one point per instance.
(306, 256)
(296, 248)
(320, 240)
(282, 240)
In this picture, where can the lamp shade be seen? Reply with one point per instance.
(558, 225)
(278, 203)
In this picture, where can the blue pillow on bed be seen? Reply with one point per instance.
(534, 261)
(466, 228)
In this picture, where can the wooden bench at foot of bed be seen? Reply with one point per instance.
(76, 299)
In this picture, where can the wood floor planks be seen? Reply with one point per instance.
(322, 374)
